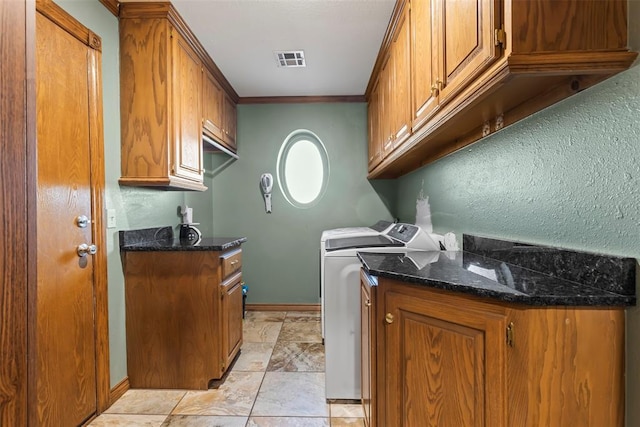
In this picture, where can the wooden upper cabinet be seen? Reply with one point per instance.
(213, 97)
(401, 83)
(374, 114)
(160, 106)
(171, 93)
(466, 41)
(220, 114)
(424, 66)
(477, 66)
(187, 114)
(230, 123)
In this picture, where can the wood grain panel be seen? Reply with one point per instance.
(401, 83)
(468, 48)
(16, 101)
(172, 313)
(443, 373)
(65, 336)
(164, 9)
(463, 38)
(231, 262)
(212, 97)
(423, 63)
(231, 312)
(442, 362)
(569, 25)
(187, 113)
(567, 367)
(229, 114)
(145, 126)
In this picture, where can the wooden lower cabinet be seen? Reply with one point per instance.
(450, 360)
(231, 292)
(183, 318)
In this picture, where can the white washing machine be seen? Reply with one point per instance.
(380, 227)
(342, 300)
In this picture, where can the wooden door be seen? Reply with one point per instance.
(212, 104)
(231, 318)
(401, 83)
(187, 114)
(423, 73)
(444, 365)
(466, 31)
(65, 351)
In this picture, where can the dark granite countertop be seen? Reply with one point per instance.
(162, 239)
(515, 272)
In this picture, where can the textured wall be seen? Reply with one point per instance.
(280, 259)
(568, 176)
(135, 207)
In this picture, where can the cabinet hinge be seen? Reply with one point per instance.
(500, 37)
(510, 334)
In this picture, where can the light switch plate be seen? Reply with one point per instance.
(111, 218)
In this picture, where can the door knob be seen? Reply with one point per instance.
(389, 318)
(82, 221)
(84, 250)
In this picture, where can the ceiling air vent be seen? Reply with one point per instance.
(290, 58)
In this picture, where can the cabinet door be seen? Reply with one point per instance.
(230, 119)
(466, 31)
(444, 365)
(374, 117)
(212, 104)
(401, 84)
(187, 114)
(423, 72)
(386, 107)
(231, 319)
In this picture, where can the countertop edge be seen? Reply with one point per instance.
(175, 246)
(612, 301)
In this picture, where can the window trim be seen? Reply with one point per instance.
(291, 140)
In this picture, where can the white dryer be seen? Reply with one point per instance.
(342, 300)
(380, 227)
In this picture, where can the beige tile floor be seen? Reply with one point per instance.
(278, 381)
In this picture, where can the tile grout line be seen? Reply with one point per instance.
(265, 372)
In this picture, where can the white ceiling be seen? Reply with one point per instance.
(340, 39)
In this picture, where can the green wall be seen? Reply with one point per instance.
(135, 207)
(568, 176)
(281, 256)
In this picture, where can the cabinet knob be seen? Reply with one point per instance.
(389, 318)
(368, 303)
(436, 87)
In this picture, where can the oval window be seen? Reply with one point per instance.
(303, 168)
